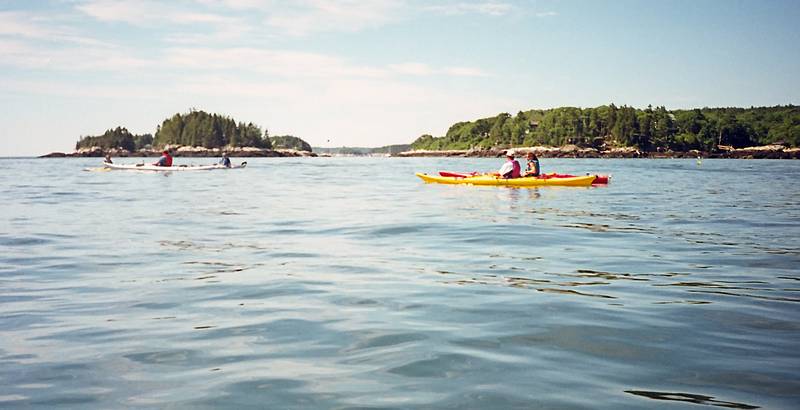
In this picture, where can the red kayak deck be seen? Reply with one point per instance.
(600, 180)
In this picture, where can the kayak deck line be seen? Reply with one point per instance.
(600, 180)
(143, 167)
(491, 180)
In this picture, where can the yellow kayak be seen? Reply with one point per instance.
(497, 181)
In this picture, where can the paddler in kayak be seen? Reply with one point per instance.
(511, 168)
(165, 160)
(225, 161)
(533, 169)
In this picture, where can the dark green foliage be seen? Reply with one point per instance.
(201, 129)
(651, 129)
(117, 138)
(290, 142)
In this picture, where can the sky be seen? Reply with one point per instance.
(376, 72)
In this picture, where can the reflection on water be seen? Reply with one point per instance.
(348, 283)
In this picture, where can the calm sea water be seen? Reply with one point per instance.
(348, 283)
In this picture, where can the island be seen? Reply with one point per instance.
(607, 131)
(194, 134)
(624, 132)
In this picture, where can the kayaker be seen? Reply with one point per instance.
(511, 168)
(107, 159)
(533, 169)
(165, 160)
(225, 161)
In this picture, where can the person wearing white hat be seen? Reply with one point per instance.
(511, 168)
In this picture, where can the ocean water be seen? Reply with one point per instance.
(344, 283)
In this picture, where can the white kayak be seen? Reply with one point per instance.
(148, 167)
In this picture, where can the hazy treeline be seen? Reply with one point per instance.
(116, 138)
(386, 149)
(649, 129)
(289, 142)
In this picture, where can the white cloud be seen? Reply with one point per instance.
(465, 72)
(411, 69)
(311, 16)
(19, 54)
(422, 69)
(489, 8)
(282, 63)
(150, 13)
(85, 90)
(546, 14)
(129, 11)
(295, 64)
(25, 55)
(32, 27)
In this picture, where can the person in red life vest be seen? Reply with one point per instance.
(165, 160)
(511, 168)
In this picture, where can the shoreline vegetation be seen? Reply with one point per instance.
(606, 131)
(609, 131)
(573, 151)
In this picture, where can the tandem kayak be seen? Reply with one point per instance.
(148, 167)
(519, 182)
(600, 180)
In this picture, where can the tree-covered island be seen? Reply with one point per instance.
(196, 133)
(658, 130)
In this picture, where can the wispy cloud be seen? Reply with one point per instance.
(465, 72)
(150, 13)
(298, 18)
(32, 27)
(295, 64)
(310, 16)
(422, 69)
(546, 14)
(281, 63)
(489, 8)
(22, 54)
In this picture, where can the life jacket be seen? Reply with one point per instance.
(533, 165)
(516, 171)
(510, 169)
(167, 160)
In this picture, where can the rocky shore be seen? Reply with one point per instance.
(573, 151)
(184, 152)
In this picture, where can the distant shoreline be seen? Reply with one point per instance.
(572, 151)
(193, 152)
(569, 151)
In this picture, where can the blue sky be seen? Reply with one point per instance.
(378, 72)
